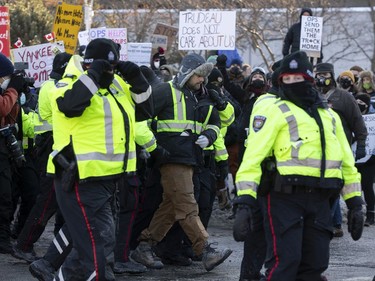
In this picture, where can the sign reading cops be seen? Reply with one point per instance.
(207, 30)
(311, 35)
(370, 141)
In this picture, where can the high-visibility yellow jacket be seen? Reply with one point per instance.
(293, 137)
(102, 137)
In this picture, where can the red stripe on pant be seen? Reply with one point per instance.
(274, 246)
(88, 229)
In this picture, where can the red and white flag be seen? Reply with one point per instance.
(50, 36)
(18, 43)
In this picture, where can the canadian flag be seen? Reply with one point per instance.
(50, 36)
(18, 43)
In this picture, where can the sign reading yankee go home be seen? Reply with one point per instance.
(311, 34)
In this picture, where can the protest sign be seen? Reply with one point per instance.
(39, 59)
(139, 53)
(370, 141)
(118, 35)
(66, 26)
(167, 30)
(4, 31)
(159, 41)
(311, 35)
(207, 30)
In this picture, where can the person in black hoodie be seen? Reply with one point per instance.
(293, 36)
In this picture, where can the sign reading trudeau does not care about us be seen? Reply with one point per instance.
(207, 30)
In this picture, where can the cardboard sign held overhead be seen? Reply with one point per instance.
(159, 41)
(167, 30)
(311, 35)
(66, 26)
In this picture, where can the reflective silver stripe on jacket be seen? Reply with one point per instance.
(293, 130)
(89, 83)
(149, 143)
(108, 122)
(309, 162)
(350, 188)
(246, 185)
(173, 126)
(228, 120)
(43, 128)
(104, 156)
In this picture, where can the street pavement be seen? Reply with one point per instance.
(349, 261)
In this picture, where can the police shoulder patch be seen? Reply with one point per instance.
(258, 122)
(61, 84)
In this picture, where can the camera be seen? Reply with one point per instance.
(19, 69)
(14, 147)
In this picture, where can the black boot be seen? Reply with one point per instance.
(369, 218)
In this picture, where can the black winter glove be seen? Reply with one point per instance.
(360, 152)
(133, 75)
(222, 169)
(220, 102)
(371, 160)
(18, 83)
(101, 71)
(221, 61)
(242, 222)
(356, 217)
(159, 156)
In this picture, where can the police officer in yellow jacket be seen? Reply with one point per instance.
(94, 145)
(313, 162)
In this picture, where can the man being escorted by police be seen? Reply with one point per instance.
(314, 162)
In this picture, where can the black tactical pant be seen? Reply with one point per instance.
(128, 197)
(254, 248)
(298, 232)
(5, 198)
(88, 212)
(25, 185)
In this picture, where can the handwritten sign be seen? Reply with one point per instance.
(66, 26)
(40, 59)
(139, 53)
(118, 35)
(207, 30)
(167, 30)
(4, 31)
(159, 41)
(370, 141)
(311, 35)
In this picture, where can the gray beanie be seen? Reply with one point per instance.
(190, 65)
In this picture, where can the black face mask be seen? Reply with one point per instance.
(258, 84)
(345, 83)
(323, 82)
(301, 93)
(362, 107)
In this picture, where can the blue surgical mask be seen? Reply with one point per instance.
(22, 99)
(5, 84)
